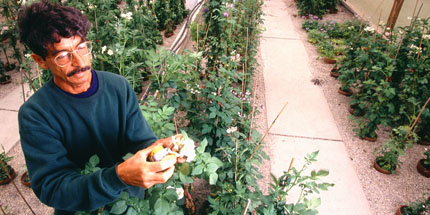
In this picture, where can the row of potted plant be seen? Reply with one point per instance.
(386, 75)
(8, 173)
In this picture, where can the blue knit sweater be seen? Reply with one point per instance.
(59, 133)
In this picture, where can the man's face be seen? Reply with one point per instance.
(69, 64)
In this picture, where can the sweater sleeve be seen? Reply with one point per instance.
(139, 135)
(56, 181)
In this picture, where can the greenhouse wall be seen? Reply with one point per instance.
(379, 10)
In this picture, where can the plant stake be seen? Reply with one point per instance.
(246, 206)
(416, 120)
(262, 139)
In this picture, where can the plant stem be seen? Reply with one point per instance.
(22, 84)
(31, 83)
(248, 202)
(262, 139)
(252, 112)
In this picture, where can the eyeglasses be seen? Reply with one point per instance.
(65, 57)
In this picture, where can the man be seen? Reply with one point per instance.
(78, 113)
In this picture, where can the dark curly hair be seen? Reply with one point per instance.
(43, 23)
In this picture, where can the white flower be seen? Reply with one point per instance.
(426, 36)
(409, 17)
(27, 55)
(214, 93)
(231, 130)
(187, 150)
(91, 6)
(369, 29)
(179, 191)
(104, 49)
(127, 16)
(110, 52)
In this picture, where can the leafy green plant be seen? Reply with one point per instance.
(159, 119)
(276, 201)
(419, 207)
(5, 159)
(387, 155)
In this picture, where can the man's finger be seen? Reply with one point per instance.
(161, 165)
(160, 177)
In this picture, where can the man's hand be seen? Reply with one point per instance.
(137, 171)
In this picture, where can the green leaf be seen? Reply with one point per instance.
(212, 167)
(94, 160)
(202, 146)
(314, 203)
(197, 170)
(119, 207)
(213, 178)
(161, 207)
(322, 173)
(131, 211)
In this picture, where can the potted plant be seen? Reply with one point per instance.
(25, 178)
(4, 79)
(6, 177)
(423, 165)
(417, 207)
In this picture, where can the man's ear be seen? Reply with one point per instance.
(39, 60)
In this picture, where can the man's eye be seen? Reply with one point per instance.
(82, 46)
(62, 55)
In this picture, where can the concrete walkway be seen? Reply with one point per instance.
(306, 125)
(9, 106)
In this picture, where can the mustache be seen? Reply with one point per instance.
(83, 69)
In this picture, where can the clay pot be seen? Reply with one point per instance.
(424, 142)
(167, 35)
(351, 110)
(422, 170)
(379, 169)
(23, 179)
(5, 79)
(329, 60)
(334, 73)
(370, 139)
(345, 93)
(8, 180)
(399, 210)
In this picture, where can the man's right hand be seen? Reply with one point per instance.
(137, 171)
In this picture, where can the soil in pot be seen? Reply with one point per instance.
(5, 79)
(379, 168)
(25, 179)
(345, 92)
(12, 173)
(422, 169)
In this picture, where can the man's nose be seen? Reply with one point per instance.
(78, 60)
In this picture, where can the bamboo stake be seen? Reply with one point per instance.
(22, 84)
(207, 31)
(246, 206)
(38, 75)
(95, 20)
(1, 208)
(241, 96)
(176, 125)
(31, 83)
(252, 112)
(197, 43)
(246, 50)
(421, 43)
(235, 162)
(262, 139)
(19, 192)
(416, 120)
